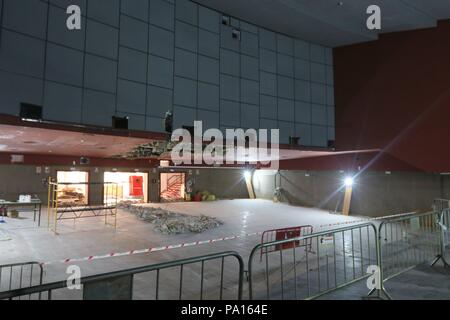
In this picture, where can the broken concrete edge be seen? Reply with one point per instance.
(170, 222)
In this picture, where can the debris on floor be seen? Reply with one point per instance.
(169, 222)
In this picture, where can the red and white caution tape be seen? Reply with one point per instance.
(151, 250)
(366, 220)
(195, 243)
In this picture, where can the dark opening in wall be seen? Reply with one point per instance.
(225, 20)
(120, 122)
(30, 111)
(236, 34)
(331, 144)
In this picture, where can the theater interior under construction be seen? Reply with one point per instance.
(318, 167)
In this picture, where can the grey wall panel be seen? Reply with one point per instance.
(249, 44)
(186, 36)
(208, 96)
(285, 65)
(249, 91)
(302, 69)
(330, 117)
(62, 102)
(64, 65)
(329, 56)
(161, 42)
(267, 39)
(137, 9)
(186, 11)
(106, 11)
(302, 112)
(319, 114)
(183, 116)
(287, 129)
(302, 90)
(15, 89)
(286, 110)
(160, 72)
(154, 124)
(132, 65)
(210, 119)
(318, 72)
(317, 53)
(249, 116)
(229, 87)
(249, 67)
(100, 73)
(330, 75)
(331, 133)
(319, 136)
(318, 93)
(268, 83)
(186, 64)
(102, 40)
(285, 44)
(26, 16)
(208, 70)
(268, 105)
(98, 108)
(162, 14)
(230, 62)
(330, 96)
(249, 27)
(185, 92)
(268, 61)
(22, 54)
(159, 101)
(285, 87)
(209, 19)
(301, 49)
(133, 33)
(209, 44)
(304, 132)
(229, 113)
(65, 3)
(131, 97)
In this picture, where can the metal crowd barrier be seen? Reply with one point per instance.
(338, 258)
(445, 224)
(440, 204)
(408, 241)
(20, 275)
(198, 282)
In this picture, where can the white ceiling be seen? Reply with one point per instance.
(328, 23)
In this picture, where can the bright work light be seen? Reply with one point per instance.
(348, 181)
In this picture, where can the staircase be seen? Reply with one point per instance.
(173, 190)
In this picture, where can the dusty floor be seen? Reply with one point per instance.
(90, 236)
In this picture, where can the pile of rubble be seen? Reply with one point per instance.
(169, 222)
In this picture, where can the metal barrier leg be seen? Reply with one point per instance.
(441, 255)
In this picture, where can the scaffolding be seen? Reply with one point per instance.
(58, 210)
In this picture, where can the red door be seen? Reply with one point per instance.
(136, 186)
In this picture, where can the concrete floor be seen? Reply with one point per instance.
(91, 237)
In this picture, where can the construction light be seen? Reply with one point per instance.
(247, 174)
(348, 181)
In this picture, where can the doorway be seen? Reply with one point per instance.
(172, 186)
(74, 188)
(131, 186)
